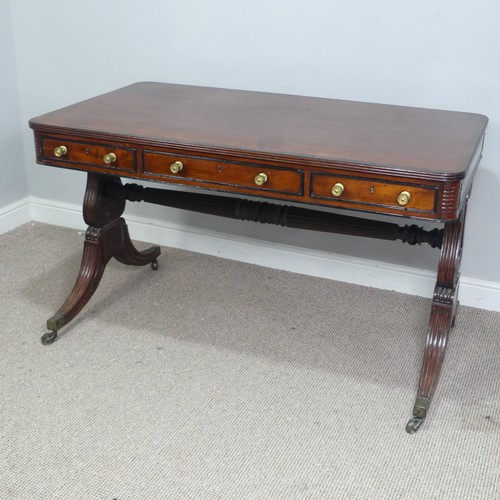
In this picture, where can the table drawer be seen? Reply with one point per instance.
(74, 153)
(207, 171)
(348, 191)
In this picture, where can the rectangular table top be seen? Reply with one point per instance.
(438, 144)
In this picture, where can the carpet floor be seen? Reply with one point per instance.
(212, 379)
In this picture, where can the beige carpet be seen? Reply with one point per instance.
(211, 379)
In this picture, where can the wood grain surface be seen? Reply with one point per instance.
(279, 126)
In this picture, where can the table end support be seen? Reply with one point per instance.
(442, 318)
(107, 236)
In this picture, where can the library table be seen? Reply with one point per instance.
(405, 162)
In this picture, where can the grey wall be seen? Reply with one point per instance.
(13, 184)
(430, 54)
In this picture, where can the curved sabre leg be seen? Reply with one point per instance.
(129, 255)
(443, 313)
(106, 237)
(91, 271)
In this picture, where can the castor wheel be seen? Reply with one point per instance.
(414, 425)
(49, 338)
(154, 265)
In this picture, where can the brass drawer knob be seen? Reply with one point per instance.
(260, 179)
(60, 151)
(176, 167)
(338, 189)
(109, 158)
(403, 198)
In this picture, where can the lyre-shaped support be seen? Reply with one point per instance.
(106, 237)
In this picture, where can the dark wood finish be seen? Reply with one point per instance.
(444, 309)
(430, 143)
(374, 194)
(106, 237)
(304, 145)
(89, 153)
(428, 148)
(306, 184)
(281, 215)
(224, 173)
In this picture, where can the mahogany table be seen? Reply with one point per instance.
(376, 159)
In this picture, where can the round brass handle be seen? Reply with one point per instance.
(60, 151)
(109, 158)
(176, 167)
(403, 198)
(338, 189)
(260, 179)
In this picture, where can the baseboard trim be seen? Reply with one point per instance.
(473, 292)
(15, 214)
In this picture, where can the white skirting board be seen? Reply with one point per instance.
(473, 292)
(15, 214)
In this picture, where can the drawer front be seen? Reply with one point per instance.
(207, 172)
(348, 191)
(76, 153)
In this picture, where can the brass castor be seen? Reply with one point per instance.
(49, 338)
(154, 265)
(414, 424)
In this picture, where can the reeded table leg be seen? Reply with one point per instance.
(443, 312)
(106, 237)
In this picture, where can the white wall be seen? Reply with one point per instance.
(431, 54)
(13, 184)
